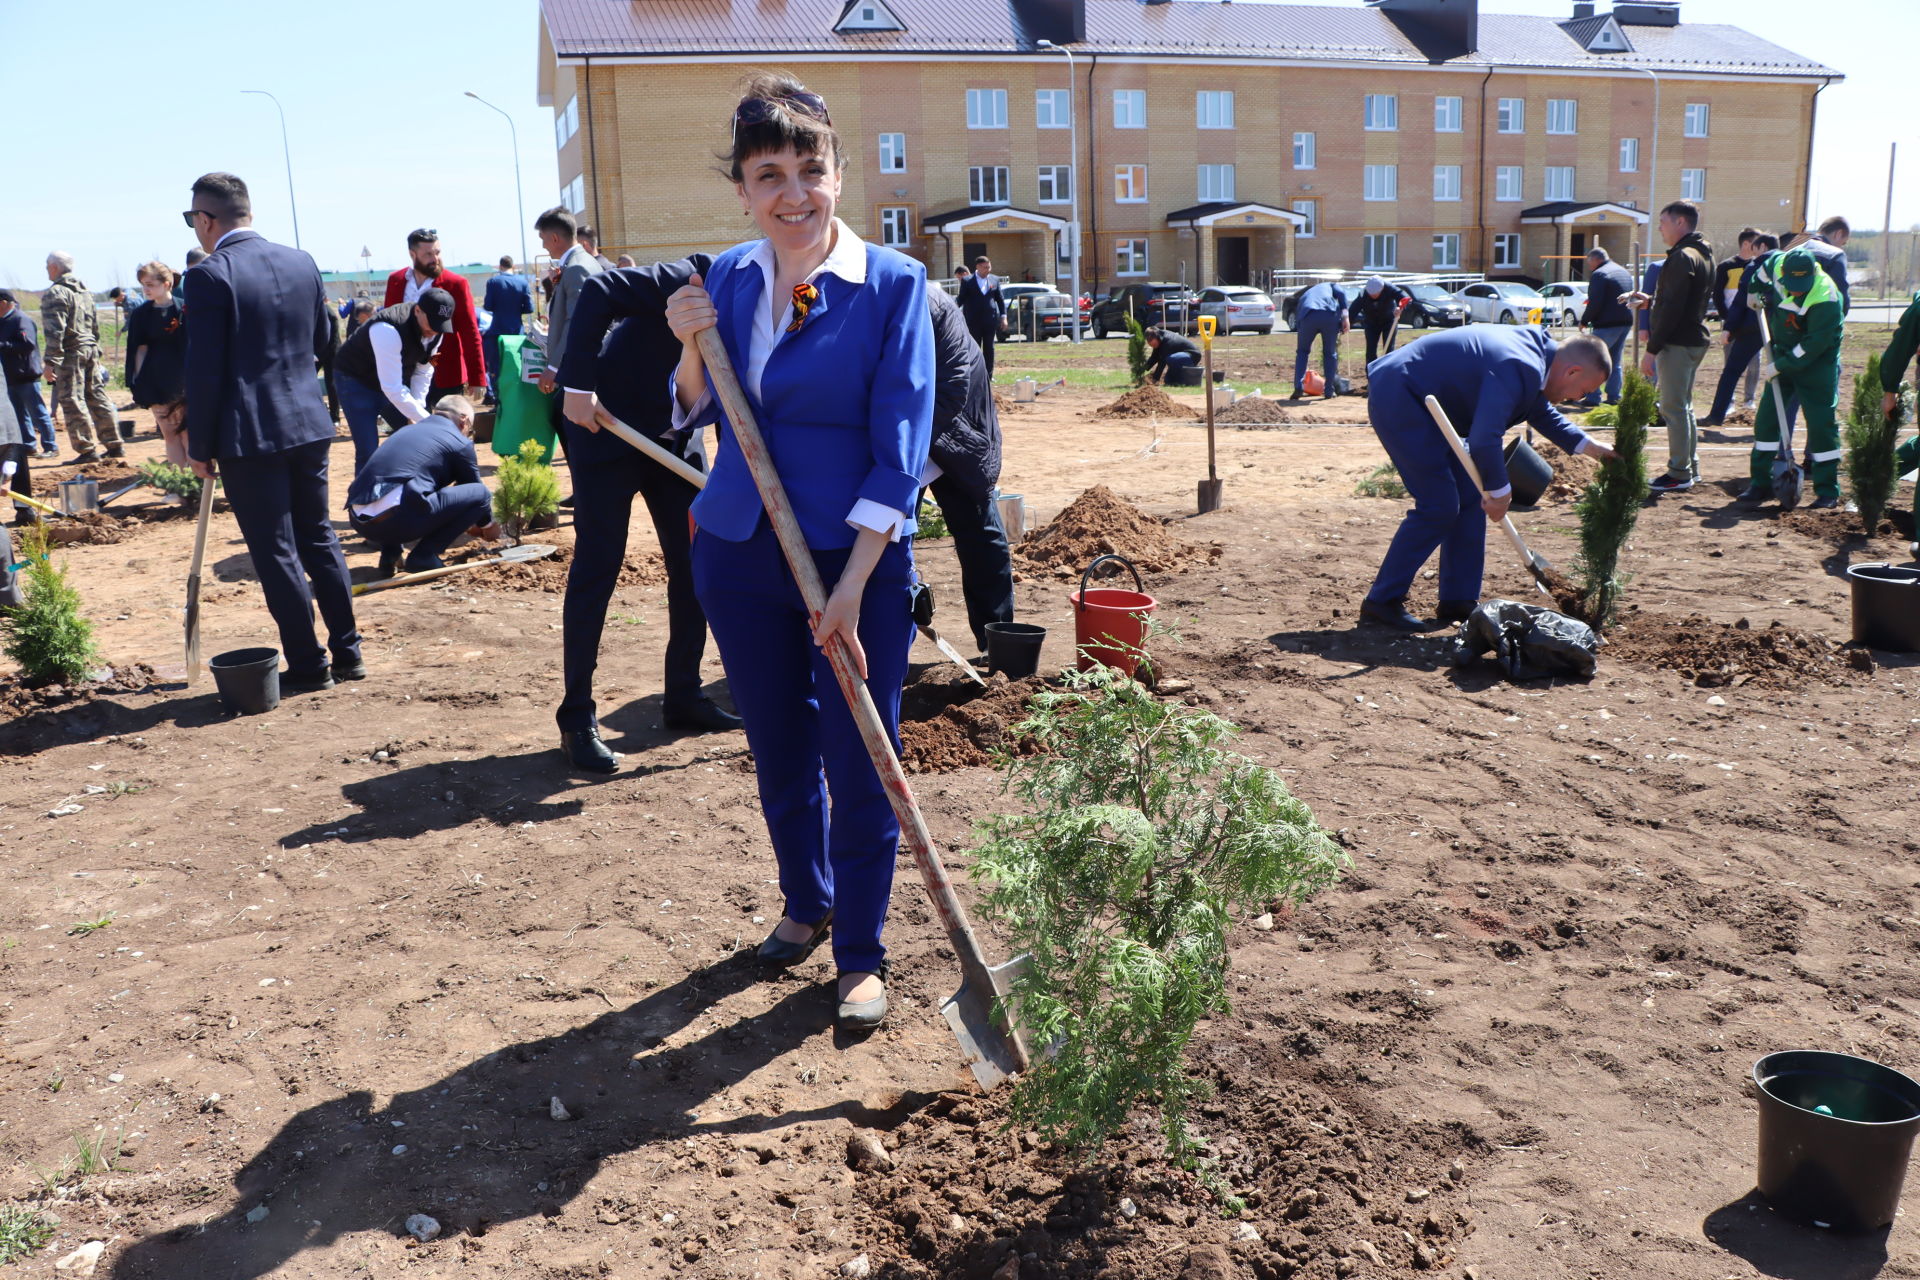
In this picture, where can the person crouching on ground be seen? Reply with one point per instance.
(834, 347)
(385, 369)
(157, 358)
(1487, 378)
(423, 486)
(1167, 351)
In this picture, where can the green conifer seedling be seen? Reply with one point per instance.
(46, 635)
(1610, 507)
(1871, 471)
(1136, 351)
(526, 489)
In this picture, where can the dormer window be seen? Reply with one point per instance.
(868, 15)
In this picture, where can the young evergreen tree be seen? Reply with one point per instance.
(525, 489)
(1136, 351)
(46, 635)
(1610, 507)
(1871, 471)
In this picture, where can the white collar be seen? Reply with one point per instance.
(847, 259)
(237, 231)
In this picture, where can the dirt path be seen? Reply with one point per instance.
(357, 947)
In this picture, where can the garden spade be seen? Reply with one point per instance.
(1788, 478)
(512, 555)
(193, 579)
(1535, 563)
(981, 1012)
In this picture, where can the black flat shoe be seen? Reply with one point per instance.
(584, 750)
(703, 715)
(1391, 613)
(306, 681)
(863, 1015)
(349, 669)
(780, 953)
(390, 560)
(1456, 610)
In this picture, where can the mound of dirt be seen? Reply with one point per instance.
(1145, 401)
(90, 528)
(1252, 411)
(1727, 655)
(1571, 473)
(20, 696)
(1100, 522)
(108, 473)
(549, 574)
(948, 722)
(1837, 528)
(1004, 403)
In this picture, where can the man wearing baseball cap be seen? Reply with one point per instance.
(386, 368)
(1805, 320)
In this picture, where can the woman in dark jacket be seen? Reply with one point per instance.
(157, 358)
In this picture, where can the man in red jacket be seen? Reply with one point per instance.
(461, 367)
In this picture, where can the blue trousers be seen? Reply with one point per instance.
(833, 855)
(35, 422)
(1324, 325)
(1446, 513)
(1740, 353)
(1615, 336)
(364, 407)
(279, 501)
(430, 523)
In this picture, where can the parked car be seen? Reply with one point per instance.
(1036, 311)
(1237, 307)
(1566, 301)
(1162, 303)
(1501, 301)
(1432, 308)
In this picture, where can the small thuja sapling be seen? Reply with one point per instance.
(181, 482)
(46, 634)
(1871, 470)
(1143, 838)
(1611, 504)
(526, 490)
(1136, 351)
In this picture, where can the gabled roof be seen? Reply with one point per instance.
(868, 15)
(1209, 212)
(973, 215)
(1181, 28)
(1581, 211)
(1598, 34)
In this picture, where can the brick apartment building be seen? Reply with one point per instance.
(1216, 141)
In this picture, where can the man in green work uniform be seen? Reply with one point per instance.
(1805, 318)
(1893, 367)
(73, 362)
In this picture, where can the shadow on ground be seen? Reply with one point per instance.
(1776, 1246)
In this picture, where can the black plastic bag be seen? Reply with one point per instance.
(1530, 642)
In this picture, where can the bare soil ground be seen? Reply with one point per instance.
(344, 956)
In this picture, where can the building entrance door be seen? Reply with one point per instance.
(1232, 258)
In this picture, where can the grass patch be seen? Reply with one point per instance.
(1382, 482)
(933, 524)
(86, 928)
(24, 1231)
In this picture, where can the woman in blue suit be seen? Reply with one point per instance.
(832, 342)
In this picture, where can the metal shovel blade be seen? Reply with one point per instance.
(952, 654)
(525, 551)
(992, 1050)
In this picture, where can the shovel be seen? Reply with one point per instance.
(980, 1012)
(1788, 479)
(512, 555)
(1536, 564)
(193, 580)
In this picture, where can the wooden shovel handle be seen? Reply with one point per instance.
(679, 466)
(1473, 473)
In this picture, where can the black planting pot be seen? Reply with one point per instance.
(1013, 648)
(1527, 472)
(248, 679)
(1886, 606)
(1841, 1167)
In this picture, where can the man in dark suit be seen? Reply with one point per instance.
(508, 299)
(984, 308)
(423, 486)
(254, 408)
(628, 370)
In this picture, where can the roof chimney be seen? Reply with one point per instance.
(1584, 9)
(1440, 29)
(1061, 21)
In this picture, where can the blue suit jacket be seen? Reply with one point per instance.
(260, 325)
(423, 458)
(508, 298)
(846, 404)
(1325, 296)
(1486, 376)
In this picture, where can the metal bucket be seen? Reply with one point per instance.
(1223, 398)
(1013, 515)
(79, 496)
(1025, 391)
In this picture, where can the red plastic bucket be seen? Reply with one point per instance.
(1109, 624)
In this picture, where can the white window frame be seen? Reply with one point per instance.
(893, 153)
(566, 121)
(1449, 113)
(1130, 256)
(896, 226)
(1509, 183)
(1563, 116)
(1697, 121)
(575, 195)
(1056, 183)
(1511, 116)
(1506, 251)
(1380, 182)
(1380, 251)
(1380, 113)
(1446, 251)
(1304, 146)
(986, 108)
(1129, 108)
(1693, 184)
(1213, 109)
(1629, 155)
(1310, 210)
(1446, 182)
(1052, 108)
(1216, 182)
(1132, 179)
(981, 177)
(1559, 182)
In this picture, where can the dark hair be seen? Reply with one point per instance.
(1765, 241)
(421, 236)
(225, 194)
(196, 256)
(1747, 234)
(784, 124)
(1834, 224)
(506, 262)
(585, 232)
(960, 269)
(1685, 210)
(1156, 334)
(983, 261)
(6, 295)
(116, 292)
(363, 306)
(558, 219)
(1600, 252)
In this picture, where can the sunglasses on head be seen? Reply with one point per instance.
(760, 110)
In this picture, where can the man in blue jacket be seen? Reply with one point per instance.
(1321, 313)
(1607, 314)
(20, 361)
(508, 298)
(1487, 378)
(423, 486)
(254, 407)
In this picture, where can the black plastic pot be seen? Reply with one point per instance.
(248, 679)
(1527, 472)
(126, 429)
(1836, 1132)
(1886, 606)
(1184, 375)
(1013, 648)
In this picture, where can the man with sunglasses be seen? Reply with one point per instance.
(460, 368)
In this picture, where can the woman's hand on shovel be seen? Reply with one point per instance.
(842, 618)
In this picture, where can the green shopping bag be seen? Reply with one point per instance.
(523, 413)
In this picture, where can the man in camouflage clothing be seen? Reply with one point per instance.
(72, 359)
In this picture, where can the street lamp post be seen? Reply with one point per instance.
(286, 151)
(526, 263)
(1073, 174)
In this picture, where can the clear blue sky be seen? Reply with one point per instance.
(383, 140)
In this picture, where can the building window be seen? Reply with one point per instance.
(1696, 122)
(1382, 112)
(987, 184)
(1379, 252)
(1381, 181)
(1310, 210)
(986, 108)
(1506, 251)
(893, 153)
(575, 195)
(1629, 155)
(1056, 184)
(1052, 108)
(1512, 117)
(1693, 184)
(1507, 182)
(1216, 182)
(1446, 115)
(1446, 252)
(1213, 108)
(1303, 151)
(566, 122)
(1130, 184)
(896, 226)
(1129, 108)
(1130, 258)
(1559, 182)
(1563, 115)
(1446, 182)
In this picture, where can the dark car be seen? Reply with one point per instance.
(1290, 305)
(1164, 303)
(1432, 307)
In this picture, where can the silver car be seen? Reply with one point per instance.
(1237, 307)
